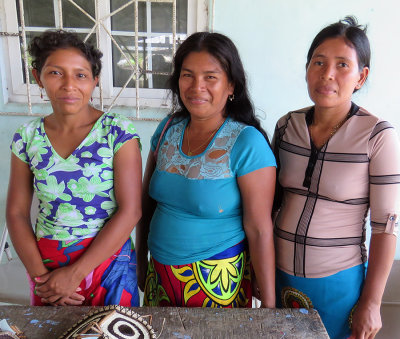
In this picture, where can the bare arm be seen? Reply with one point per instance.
(257, 190)
(384, 198)
(142, 229)
(19, 200)
(127, 187)
(367, 319)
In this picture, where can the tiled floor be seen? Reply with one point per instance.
(14, 290)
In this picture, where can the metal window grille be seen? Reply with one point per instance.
(99, 24)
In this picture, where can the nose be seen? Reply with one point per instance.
(197, 83)
(328, 72)
(68, 83)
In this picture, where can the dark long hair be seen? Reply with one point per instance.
(224, 50)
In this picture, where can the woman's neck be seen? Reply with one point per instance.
(70, 122)
(204, 126)
(330, 116)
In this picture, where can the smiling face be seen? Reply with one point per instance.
(204, 86)
(333, 74)
(68, 80)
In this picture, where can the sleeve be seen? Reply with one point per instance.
(251, 152)
(279, 131)
(275, 149)
(384, 178)
(157, 133)
(19, 144)
(122, 130)
(274, 139)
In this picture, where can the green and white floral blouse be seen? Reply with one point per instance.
(76, 194)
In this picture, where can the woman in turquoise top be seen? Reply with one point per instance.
(84, 165)
(209, 191)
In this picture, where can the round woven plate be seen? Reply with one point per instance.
(111, 322)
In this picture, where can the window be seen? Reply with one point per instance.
(137, 53)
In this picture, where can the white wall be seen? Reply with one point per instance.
(273, 38)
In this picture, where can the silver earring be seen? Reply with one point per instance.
(231, 97)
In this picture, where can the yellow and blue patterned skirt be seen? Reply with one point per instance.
(220, 281)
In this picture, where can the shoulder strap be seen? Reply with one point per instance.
(155, 153)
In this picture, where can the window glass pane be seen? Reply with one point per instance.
(181, 16)
(124, 20)
(38, 13)
(74, 17)
(161, 57)
(29, 37)
(155, 49)
(155, 52)
(121, 66)
(164, 11)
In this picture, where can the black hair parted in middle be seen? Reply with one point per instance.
(353, 33)
(224, 50)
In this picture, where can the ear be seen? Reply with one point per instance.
(305, 76)
(95, 82)
(363, 77)
(231, 88)
(36, 75)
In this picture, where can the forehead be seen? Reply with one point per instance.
(336, 47)
(203, 59)
(67, 57)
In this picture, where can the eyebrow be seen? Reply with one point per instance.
(324, 56)
(206, 72)
(76, 69)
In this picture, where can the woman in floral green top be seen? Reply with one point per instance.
(84, 165)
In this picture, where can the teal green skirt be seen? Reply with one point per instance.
(334, 297)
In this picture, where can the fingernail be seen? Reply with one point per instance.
(78, 289)
(37, 279)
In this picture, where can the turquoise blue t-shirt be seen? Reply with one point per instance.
(199, 208)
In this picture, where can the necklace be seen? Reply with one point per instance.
(333, 130)
(193, 151)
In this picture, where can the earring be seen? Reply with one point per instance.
(231, 97)
(41, 92)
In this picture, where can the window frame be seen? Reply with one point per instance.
(11, 65)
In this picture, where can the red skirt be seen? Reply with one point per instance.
(113, 282)
(220, 281)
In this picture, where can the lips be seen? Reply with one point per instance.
(68, 99)
(197, 101)
(326, 90)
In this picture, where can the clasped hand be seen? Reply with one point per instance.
(59, 288)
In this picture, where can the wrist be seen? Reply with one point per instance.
(77, 272)
(37, 272)
(369, 301)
